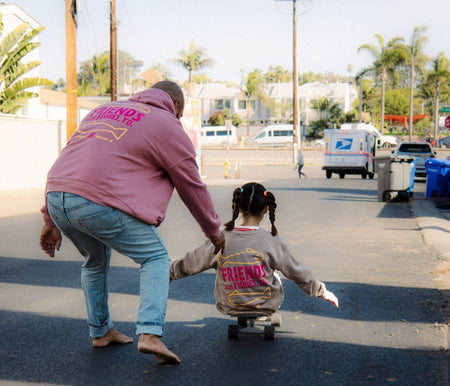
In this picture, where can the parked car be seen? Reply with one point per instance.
(421, 151)
(443, 143)
(320, 143)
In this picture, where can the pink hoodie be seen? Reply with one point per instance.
(130, 155)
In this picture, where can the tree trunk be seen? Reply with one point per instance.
(436, 110)
(360, 98)
(248, 118)
(383, 91)
(411, 100)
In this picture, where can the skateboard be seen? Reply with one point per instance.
(246, 324)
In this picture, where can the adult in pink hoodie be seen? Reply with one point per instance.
(110, 188)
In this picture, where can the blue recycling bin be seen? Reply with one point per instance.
(438, 178)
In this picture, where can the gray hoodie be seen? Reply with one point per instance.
(245, 281)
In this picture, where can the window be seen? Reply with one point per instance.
(221, 132)
(242, 104)
(221, 104)
(282, 133)
(210, 133)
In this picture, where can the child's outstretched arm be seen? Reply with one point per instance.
(194, 262)
(330, 296)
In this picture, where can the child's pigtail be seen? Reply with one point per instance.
(229, 226)
(272, 206)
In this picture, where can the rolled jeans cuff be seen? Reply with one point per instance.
(99, 331)
(150, 328)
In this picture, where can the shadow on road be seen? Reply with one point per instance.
(388, 302)
(53, 350)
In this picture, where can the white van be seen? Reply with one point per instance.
(349, 152)
(218, 135)
(275, 135)
(383, 141)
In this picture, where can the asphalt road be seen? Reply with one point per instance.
(389, 328)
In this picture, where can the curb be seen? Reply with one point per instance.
(434, 226)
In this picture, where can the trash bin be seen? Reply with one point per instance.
(395, 177)
(438, 177)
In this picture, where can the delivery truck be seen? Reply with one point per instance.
(349, 152)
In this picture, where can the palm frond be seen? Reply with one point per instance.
(23, 84)
(10, 105)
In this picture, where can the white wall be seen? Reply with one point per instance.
(28, 148)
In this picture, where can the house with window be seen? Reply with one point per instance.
(278, 109)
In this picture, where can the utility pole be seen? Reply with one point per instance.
(113, 49)
(295, 134)
(295, 80)
(71, 68)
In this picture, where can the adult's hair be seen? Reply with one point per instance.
(175, 92)
(251, 200)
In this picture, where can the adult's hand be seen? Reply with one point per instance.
(219, 244)
(50, 239)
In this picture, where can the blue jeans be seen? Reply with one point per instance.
(95, 230)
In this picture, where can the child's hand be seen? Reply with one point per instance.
(330, 297)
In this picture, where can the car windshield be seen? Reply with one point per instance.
(414, 148)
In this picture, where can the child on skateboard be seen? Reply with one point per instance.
(246, 280)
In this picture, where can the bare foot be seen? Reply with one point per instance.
(151, 344)
(112, 336)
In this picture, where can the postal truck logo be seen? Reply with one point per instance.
(344, 144)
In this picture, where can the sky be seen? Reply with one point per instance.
(239, 35)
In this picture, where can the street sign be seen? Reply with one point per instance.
(445, 109)
(447, 122)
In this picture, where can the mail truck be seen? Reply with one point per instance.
(349, 152)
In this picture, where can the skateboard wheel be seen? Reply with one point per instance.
(275, 320)
(269, 332)
(233, 331)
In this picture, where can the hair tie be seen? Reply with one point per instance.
(241, 190)
(265, 193)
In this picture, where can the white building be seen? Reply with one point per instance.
(219, 96)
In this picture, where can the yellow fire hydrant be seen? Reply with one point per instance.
(226, 168)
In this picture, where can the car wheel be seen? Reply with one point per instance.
(328, 173)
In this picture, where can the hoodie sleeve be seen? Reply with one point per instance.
(199, 260)
(294, 270)
(195, 195)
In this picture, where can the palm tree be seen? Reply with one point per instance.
(438, 76)
(417, 60)
(14, 87)
(95, 73)
(193, 60)
(251, 88)
(328, 111)
(387, 58)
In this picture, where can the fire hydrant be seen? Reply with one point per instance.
(226, 168)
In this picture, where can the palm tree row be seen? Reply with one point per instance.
(395, 54)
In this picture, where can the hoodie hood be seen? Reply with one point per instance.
(155, 97)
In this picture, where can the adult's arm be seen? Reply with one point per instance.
(195, 195)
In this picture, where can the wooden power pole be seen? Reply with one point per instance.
(295, 78)
(113, 49)
(71, 68)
